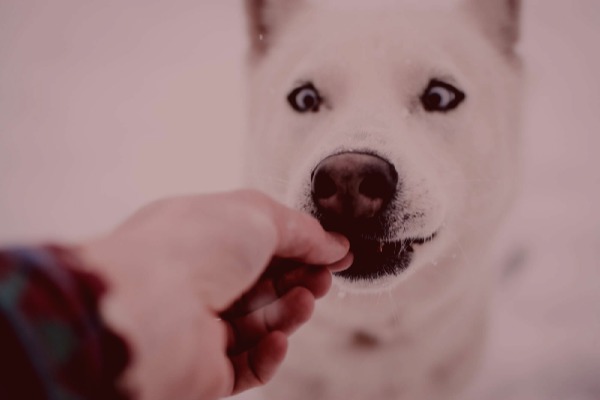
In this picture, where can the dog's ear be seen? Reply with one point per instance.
(499, 19)
(265, 17)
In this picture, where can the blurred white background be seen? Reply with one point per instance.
(107, 105)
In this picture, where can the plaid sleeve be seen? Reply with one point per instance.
(53, 343)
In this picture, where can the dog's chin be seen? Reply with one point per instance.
(377, 262)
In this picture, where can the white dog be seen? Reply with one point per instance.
(396, 125)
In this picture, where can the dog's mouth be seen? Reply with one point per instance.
(374, 259)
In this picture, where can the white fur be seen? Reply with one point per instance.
(458, 173)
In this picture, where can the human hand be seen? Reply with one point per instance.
(206, 290)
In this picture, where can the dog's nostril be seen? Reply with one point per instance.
(376, 186)
(323, 185)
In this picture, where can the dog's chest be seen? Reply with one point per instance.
(381, 357)
(349, 364)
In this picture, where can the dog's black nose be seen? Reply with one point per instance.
(353, 186)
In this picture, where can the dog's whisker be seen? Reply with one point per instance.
(472, 180)
(272, 178)
(459, 247)
(394, 307)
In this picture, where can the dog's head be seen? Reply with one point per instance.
(396, 126)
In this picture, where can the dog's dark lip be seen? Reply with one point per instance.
(423, 240)
(383, 245)
(375, 259)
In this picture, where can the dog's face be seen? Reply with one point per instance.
(396, 127)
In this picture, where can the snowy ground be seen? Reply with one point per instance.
(107, 105)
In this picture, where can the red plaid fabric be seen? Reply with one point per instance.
(53, 342)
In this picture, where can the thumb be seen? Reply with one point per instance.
(268, 231)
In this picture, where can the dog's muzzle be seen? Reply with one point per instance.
(352, 193)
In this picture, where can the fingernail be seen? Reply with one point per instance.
(343, 264)
(341, 240)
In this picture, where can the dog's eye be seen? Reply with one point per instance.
(305, 98)
(441, 97)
